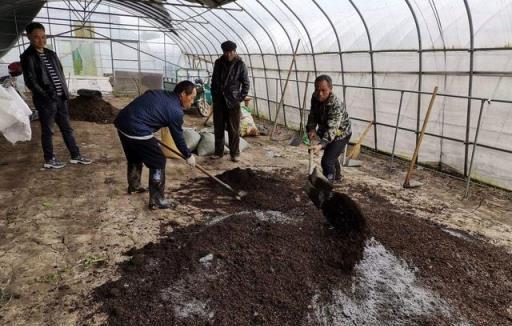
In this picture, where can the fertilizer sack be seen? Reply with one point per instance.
(247, 125)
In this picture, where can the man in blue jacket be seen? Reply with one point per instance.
(136, 124)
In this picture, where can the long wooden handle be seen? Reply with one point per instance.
(208, 117)
(310, 166)
(423, 128)
(200, 168)
(303, 109)
(284, 89)
(365, 132)
(359, 141)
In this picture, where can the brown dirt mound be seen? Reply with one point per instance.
(92, 109)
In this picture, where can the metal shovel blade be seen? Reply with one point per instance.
(354, 163)
(296, 140)
(413, 184)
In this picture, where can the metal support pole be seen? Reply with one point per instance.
(396, 131)
(468, 178)
(470, 85)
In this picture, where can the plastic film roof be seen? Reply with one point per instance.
(380, 54)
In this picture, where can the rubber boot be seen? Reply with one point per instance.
(156, 190)
(338, 176)
(134, 173)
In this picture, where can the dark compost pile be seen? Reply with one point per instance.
(271, 259)
(92, 109)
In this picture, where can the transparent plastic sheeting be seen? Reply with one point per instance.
(336, 36)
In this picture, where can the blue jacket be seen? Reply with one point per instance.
(151, 111)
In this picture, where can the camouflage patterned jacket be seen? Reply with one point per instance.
(331, 117)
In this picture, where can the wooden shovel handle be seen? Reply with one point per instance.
(200, 168)
(422, 133)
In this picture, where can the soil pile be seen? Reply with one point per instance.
(271, 260)
(261, 262)
(92, 109)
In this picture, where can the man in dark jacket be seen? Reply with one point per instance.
(230, 85)
(136, 124)
(44, 76)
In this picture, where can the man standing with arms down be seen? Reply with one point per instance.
(230, 86)
(136, 124)
(44, 76)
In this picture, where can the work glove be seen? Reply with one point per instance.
(191, 160)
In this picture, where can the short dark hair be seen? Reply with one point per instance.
(326, 78)
(33, 25)
(184, 86)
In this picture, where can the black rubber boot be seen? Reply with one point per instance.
(338, 176)
(134, 173)
(156, 190)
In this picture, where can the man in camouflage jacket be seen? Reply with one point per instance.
(329, 126)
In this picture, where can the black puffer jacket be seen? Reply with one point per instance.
(230, 81)
(37, 78)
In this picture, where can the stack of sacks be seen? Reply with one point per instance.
(203, 142)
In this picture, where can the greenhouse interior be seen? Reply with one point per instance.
(288, 162)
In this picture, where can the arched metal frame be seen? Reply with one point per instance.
(275, 53)
(197, 46)
(420, 67)
(218, 40)
(307, 34)
(470, 86)
(291, 49)
(370, 45)
(342, 69)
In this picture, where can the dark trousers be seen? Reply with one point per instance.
(225, 118)
(143, 151)
(51, 112)
(330, 160)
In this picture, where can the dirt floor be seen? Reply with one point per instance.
(76, 250)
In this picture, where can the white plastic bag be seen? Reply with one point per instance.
(247, 125)
(14, 116)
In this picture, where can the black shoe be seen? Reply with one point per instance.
(53, 164)
(80, 160)
(137, 190)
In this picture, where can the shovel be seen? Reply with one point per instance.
(297, 139)
(356, 150)
(238, 194)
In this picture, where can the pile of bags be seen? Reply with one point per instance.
(201, 142)
(14, 116)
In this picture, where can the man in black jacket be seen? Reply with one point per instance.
(44, 76)
(230, 85)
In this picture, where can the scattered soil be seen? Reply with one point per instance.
(92, 109)
(270, 259)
